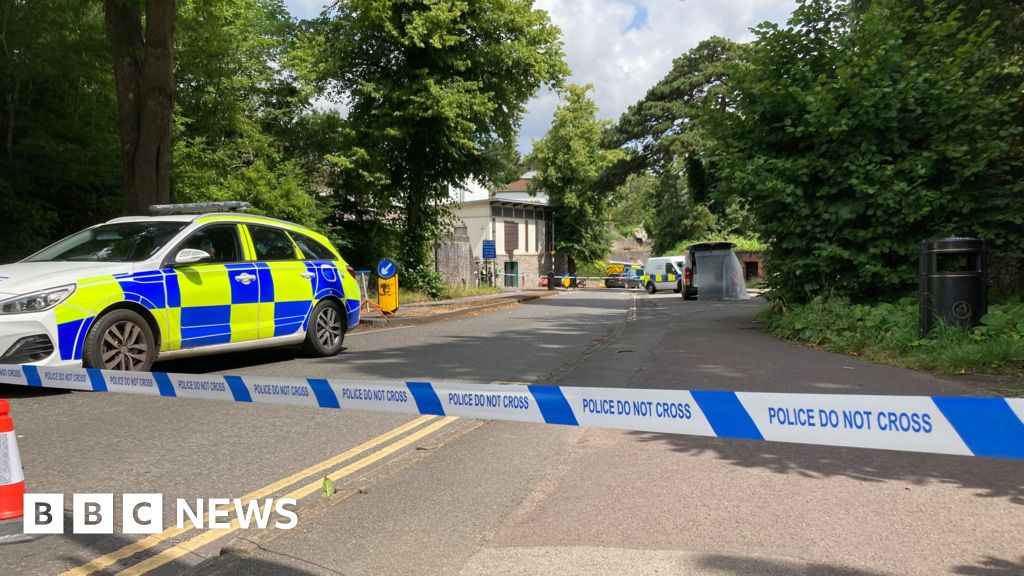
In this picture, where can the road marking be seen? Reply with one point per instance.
(197, 542)
(151, 541)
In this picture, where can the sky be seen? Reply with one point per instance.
(623, 47)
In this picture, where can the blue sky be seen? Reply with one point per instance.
(623, 47)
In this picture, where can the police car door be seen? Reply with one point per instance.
(219, 296)
(286, 292)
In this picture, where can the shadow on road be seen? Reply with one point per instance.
(230, 361)
(232, 565)
(746, 566)
(987, 478)
(18, 391)
(543, 335)
(992, 567)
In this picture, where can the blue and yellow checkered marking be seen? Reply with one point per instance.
(204, 305)
(660, 277)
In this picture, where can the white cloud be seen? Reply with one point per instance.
(305, 8)
(605, 47)
(623, 64)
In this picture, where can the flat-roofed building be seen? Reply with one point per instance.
(519, 223)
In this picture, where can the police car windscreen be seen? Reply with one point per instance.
(121, 242)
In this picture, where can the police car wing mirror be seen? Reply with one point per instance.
(191, 256)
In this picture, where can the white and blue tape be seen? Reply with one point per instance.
(968, 426)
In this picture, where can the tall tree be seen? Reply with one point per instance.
(666, 134)
(569, 160)
(144, 83)
(59, 168)
(239, 131)
(430, 88)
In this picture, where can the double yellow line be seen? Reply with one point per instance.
(196, 542)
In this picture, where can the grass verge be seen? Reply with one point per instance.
(888, 332)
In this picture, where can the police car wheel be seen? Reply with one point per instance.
(120, 340)
(326, 332)
(651, 288)
(678, 288)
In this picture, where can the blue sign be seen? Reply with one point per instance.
(386, 268)
(490, 251)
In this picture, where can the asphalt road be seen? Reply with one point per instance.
(100, 443)
(467, 498)
(514, 499)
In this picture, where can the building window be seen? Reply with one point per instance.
(511, 236)
(519, 213)
(461, 231)
(507, 212)
(496, 211)
(529, 214)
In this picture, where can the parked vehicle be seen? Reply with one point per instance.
(623, 275)
(123, 293)
(664, 273)
(714, 273)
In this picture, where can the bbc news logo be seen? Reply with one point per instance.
(144, 513)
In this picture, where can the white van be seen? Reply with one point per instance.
(664, 273)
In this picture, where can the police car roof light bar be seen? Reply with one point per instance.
(198, 208)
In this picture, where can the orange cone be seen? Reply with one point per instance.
(12, 477)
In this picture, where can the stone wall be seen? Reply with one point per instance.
(453, 258)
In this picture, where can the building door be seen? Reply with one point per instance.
(512, 274)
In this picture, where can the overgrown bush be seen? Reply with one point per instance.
(888, 331)
(424, 279)
(866, 127)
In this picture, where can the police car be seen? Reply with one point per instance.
(184, 281)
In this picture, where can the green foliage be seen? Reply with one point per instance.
(592, 269)
(424, 279)
(889, 332)
(633, 204)
(743, 243)
(59, 151)
(667, 144)
(861, 133)
(237, 128)
(569, 159)
(431, 89)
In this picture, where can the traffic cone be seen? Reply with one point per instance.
(12, 480)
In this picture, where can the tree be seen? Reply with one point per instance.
(239, 117)
(144, 83)
(59, 169)
(665, 134)
(569, 160)
(429, 87)
(859, 133)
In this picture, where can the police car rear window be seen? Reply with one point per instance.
(272, 244)
(311, 249)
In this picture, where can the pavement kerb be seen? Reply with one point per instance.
(495, 304)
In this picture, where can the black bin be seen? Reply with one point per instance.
(952, 283)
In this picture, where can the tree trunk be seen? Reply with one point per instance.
(12, 106)
(144, 83)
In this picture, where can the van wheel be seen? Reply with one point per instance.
(120, 340)
(678, 288)
(651, 288)
(326, 332)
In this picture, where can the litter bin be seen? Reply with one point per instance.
(551, 280)
(952, 283)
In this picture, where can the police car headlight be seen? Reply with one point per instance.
(36, 301)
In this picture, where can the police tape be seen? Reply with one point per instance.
(967, 426)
